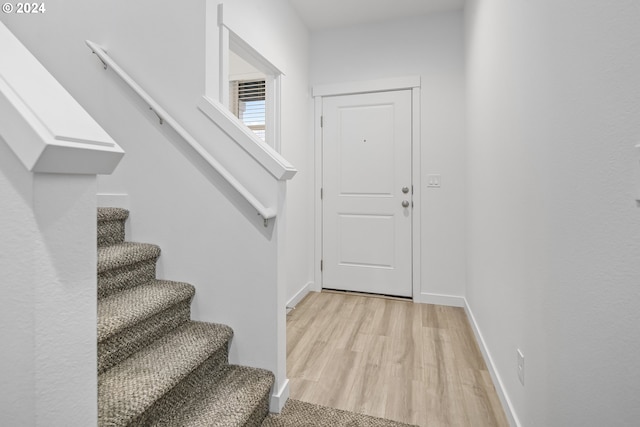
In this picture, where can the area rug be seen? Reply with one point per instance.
(297, 413)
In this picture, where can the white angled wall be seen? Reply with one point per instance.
(554, 248)
(431, 47)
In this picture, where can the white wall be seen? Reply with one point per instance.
(209, 235)
(553, 107)
(431, 47)
(47, 297)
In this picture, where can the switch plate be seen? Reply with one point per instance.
(637, 175)
(520, 366)
(433, 181)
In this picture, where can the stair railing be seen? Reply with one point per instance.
(163, 116)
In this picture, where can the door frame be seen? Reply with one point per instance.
(352, 88)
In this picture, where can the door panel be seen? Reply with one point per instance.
(363, 240)
(366, 163)
(365, 151)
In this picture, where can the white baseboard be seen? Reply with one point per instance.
(113, 200)
(438, 299)
(278, 400)
(299, 296)
(497, 381)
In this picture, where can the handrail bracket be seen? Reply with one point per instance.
(104, 64)
(264, 219)
(157, 115)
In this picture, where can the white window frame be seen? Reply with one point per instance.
(229, 40)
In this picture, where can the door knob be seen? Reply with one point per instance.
(405, 190)
(405, 203)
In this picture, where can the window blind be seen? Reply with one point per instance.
(248, 104)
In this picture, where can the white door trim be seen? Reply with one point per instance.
(351, 88)
(411, 82)
(416, 240)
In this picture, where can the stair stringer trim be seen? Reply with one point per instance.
(279, 399)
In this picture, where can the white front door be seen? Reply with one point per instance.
(367, 206)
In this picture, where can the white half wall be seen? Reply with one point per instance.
(431, 47)
(554, 115)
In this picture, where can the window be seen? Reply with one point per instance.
(240, 66)
(247, 99)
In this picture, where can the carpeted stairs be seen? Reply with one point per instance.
(156, 367)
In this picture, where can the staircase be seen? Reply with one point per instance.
(156, 367)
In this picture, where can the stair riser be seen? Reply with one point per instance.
(207, 372)
(115, 280)
(220, 404)
(110, 232)
(260, 413)
(119, 347)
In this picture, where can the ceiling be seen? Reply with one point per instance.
(323, 14)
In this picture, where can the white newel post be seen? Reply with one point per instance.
(64, 280)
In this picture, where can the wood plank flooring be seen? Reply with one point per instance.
(413, 363)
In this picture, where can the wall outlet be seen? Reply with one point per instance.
(520, 366)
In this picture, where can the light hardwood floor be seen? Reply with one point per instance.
(414, 363)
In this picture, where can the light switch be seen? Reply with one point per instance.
(637, 174)
(433, 181)
(520, 366)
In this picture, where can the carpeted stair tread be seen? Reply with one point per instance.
(130, 388)
(128, 341)
(112, 214)
(297, 413)
(238, 397)
(125, 254)
(127, 308)
(111, 227)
